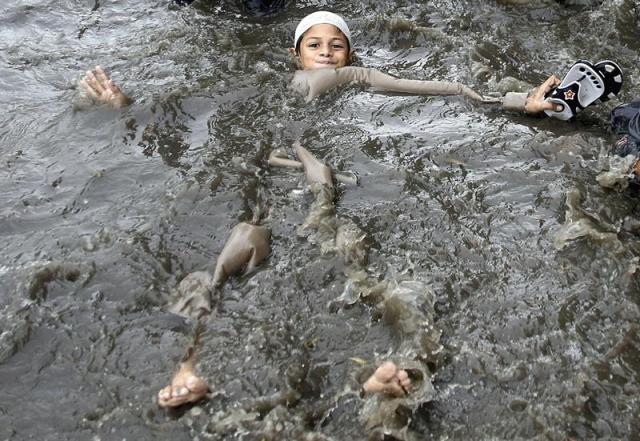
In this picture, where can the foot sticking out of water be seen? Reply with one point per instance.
(389, 380)
(186, 386)
(97, 85)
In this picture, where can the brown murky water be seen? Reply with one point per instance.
(469, 210)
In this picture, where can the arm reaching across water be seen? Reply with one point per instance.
(323, 48)
(101, 89)
(312, 83)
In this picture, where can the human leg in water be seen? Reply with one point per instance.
(247, 246)
(186, 386)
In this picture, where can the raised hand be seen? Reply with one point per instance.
(535, 102)
(101, 89)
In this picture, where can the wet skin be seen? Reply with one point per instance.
(100, 88)
(323, 46)
(246, 247)
(186, 386)
(389, 380)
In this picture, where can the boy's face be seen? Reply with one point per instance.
(322, 46)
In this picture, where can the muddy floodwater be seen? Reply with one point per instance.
(513, 274)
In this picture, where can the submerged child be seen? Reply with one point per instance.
(323, 50)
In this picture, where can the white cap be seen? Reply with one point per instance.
(321, 17)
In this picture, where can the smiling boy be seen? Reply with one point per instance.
(322, 40)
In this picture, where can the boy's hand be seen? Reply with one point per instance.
(97, 85)
(535, 102)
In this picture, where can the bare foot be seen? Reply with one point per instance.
(388, 379)
(97, 85)
(186, 387)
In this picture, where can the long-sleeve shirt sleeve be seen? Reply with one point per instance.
(312, 83)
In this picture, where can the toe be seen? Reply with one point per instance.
(171, 397)
(164, 396)
(404, 380)
(180, 392)
(405, 384)
(393, 389)
(165, 393)
(386, 371)
(186, 387)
